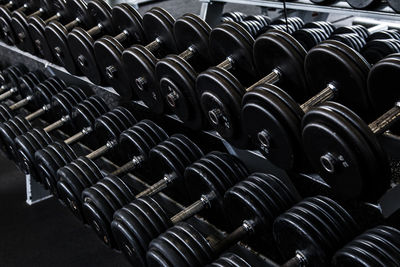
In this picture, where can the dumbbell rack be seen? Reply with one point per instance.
(254, 161)
(211, 10)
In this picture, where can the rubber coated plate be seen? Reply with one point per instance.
(126, 18)
(24, 41)
(36, 30)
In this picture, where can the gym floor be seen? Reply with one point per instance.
(46, 234)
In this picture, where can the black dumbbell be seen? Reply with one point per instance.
(6, 33)
(60, 109)
(104, 130)
(352, 142)
(378, 246)
(19, 24)
(57, 35)
(252, 203)
(235, 16)
(128, 29)
(56, 155)
(139, 61)
(9, 77)
(137, 223)
(364, 4)
(279, 57)
(231, 44)
(309, 233)
(37, 97)
(395, 5)
(23, 85)
(275, 117)
(96, 211)
(81, 42)
(37, 25)
(191, 36)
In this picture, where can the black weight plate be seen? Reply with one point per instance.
(24, 41)
(229, 259)
(9, 131)
(135, 143)
(345, 69)
(269, 109)
(36, 30)
(177, 85)
(364, 4)
(7, 32)
(192, 31)
(342, 137)
(228, 41)
(100, 13)
(139, 64)
(381, 90)
(157, 24)
(272, 51)
(5, 113)
(221, 91)
(126, 116)
(126, 18)
(124, 189)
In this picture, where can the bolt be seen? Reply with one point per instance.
(82, 61)
(172, 97)
(141, 83)
(111, 72)
(329, 162)
(264, 138)
(215, 116)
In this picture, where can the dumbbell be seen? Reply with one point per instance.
(6, 32)
(128, 29)
(256, 25)
(275, 117)
(81, 41)
(378, 246)
(235, 16)
(229, 259)
(37, 25)
(139, 61)
(354, 158)
(57, 35)
(278, 56)
(395, 5)
(22, 86)
(252, 203)
(137, 223)
(57, 154)
(178, 90)
(98, 212)
(37, 98)
(9, 77)
(19, 24)
(309, 233)
(60, 107)
(231, 44)
(364, 4)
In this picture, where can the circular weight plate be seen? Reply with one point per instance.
(81, 45)
(126, 18)
(340, 151)
(395, 5)
(278, 51)
(108, 53)
(24, 41)
(272, 119)
(190, 33)
(220, 99)
(381, 90)
(36, 30)
(364, 4)
(157, 26)
(7, 32)
(139, 64)
(56, 35)
(100, 13)
(227, 40)
(177, 84)
(330, 63)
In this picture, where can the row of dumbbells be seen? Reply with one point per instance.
(360, 4)
(314, 231)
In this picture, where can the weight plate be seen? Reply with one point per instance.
(126, 18)
(364, 4)
(229, 259)
(139, 64)
(19, 23)
(36, 28)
